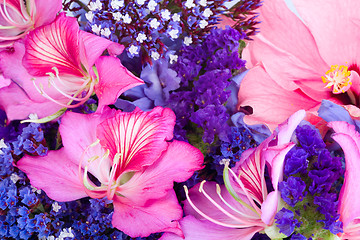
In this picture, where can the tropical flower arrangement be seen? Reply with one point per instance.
(169, 119)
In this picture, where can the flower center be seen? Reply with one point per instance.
(338, 77)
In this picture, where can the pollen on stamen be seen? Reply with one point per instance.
(338, 77)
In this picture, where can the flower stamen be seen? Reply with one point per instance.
(338, 77)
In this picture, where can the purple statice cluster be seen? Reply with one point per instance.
(146, 27)
(311, 173)
(205, 71)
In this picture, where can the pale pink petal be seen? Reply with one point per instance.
(55, 174)
(334, 26)
(54, 45)
(349, 140)
(270, 207)
(159, 215)
(139, 137)
(114, 80)
(4, 82)
(286, 129)
(286, 55)
(92, 46)
(176, 164)
(195, 229)
(46, 11)
(271, 103)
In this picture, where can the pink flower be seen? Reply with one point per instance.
(18, 17)
(60, 67)
(129, 154)
(296, 62)
(349, 205)
(232, 211)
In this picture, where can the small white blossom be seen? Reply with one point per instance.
(176, 17)
(96, 29)
(155, 55)
(152, 5)
(93, 6)
(140, 2)
(141, 37)
(2, 145)
(116, 4)
(35, 190)
(133, 50)
(65, 233)
(127, 19)
(33, 116)
(189, 4)
(203, 24)
(154, 23)
(224, 161)
(117, 16)
(56, 207)
(187, 41)
(89, 16)
(207, 12)
(203, 3)
(173, 33)
(14, 177)
(105, 32)
(173, 58)
(165, 14)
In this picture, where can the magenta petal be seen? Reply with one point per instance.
(55, 174)
(46, 11)
(195, 229)
(349, 140)
(114, 80)
(177, 164)
(139, 137)
(159, 215)
(54, 45)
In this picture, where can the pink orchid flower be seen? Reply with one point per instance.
(349, 205)
(232, 211)
(130, 156)
(18, 17)
(60, 67)
(296, 62)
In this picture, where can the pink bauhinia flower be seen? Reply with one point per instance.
(18, 17)
(60, 67)
(130, 156)
(349, 205)
(296, 62)
(242, 206)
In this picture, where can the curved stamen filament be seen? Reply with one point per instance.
(212, 219)
(111, 189)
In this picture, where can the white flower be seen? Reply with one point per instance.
(203, 24)
(176, 17)
(65, 233)
(207, 12)
(187, 41)
(14, 177)
(127, 19)
(33, 116)
(133, 50)
(96, 29)
(152, 5)
(189, 4)
(2, 145)
(95, 5)
(56, 207)
(105, 32)
(203, 3)
(155, 55)
(116, 4)
(154, 23)
(173, 58)
(34, 189)
(165, 14)
(140, 2)
(89, 16)
(173, 33)
(117, 16)
(141, 37)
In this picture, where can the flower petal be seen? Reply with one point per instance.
(54, 45)
(114, 80)
(46, 11)
(177, 163)
(195, 229)
(156, 216)
(55, 174)
(139, 137)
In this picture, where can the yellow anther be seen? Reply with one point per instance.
(338, 77)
